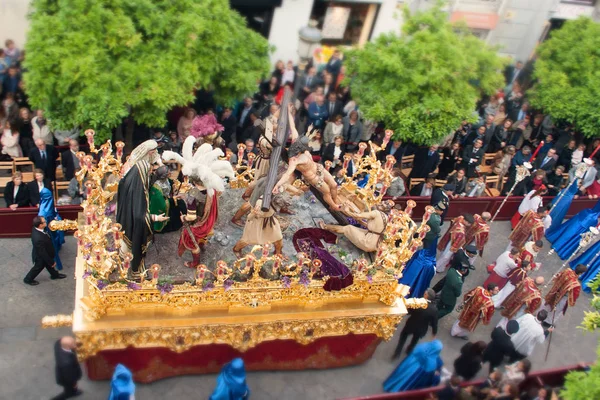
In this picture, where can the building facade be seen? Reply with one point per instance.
(516, 26)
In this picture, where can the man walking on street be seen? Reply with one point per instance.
(68, 370)
(417, 324)
(42, 253)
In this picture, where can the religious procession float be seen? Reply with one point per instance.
(311, 280)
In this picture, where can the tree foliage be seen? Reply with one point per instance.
(586, 385)
(567, 71)
(423, 83)
(91, 62)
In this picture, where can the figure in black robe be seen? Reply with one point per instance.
(133, 214)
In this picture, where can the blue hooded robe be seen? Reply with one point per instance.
(558, 213)
(121, 385)
(586, 258)
(231, 382)
(565, 238)
(48, 211)
(418, 369)
(419, 271)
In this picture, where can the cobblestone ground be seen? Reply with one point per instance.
(27, 364)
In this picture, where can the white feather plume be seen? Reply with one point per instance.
(204, 164)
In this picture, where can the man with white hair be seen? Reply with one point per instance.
(44, 156)
(132, 204)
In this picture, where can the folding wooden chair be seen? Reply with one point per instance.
(407, 164)
(59, 170)
(26, 167)
(491, 186)
(440, 182)
(60, 188)
(7, 169)
(414, 182)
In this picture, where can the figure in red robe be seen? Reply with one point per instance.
(530, 251)
(564, 293)
(530, 225)
(454, 239)
(526, 297)
(515, 277)
(477, 307)
(479, 231)
(504, 265)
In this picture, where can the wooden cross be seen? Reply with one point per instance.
(278, 142)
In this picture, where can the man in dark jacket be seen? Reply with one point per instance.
(501, 346)
(35, 187)
(426, 161)
(42, 253)
(417, 324)
(68, 370)
(472, 157)
(69, 160)
(44, 157)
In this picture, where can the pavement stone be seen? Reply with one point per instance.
(27, 361)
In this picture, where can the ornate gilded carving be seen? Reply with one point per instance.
(56, 321)
(240, 336)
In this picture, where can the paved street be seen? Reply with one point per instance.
(27, 364)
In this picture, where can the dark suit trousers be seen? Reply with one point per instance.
(38, 266)
(403, 336)
(69, 391)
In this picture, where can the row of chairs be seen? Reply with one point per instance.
(26, 167)
(491, 183)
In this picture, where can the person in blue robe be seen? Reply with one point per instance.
(48, 211)
(565, 238)
(559, 212)
(231, 382)
(121, 385)
(592, 262)
(420, 369)
(419, 271)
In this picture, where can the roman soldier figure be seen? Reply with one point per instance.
(477, 307)
(531, 225)
(206, 173)
(453, 240)
(564, 293)
(479, 231)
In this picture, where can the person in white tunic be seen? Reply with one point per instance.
(514, 278)
(530, 333)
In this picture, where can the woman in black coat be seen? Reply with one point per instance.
(450, 158)
(468, 364)
(499, 137)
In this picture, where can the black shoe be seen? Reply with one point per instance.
(463, 337)
(31, 283)
(79, 392)
(59, 276)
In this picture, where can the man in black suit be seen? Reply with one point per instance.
(42, 253)
(15, 192)
(546, 163)
(35, 187)
(426, 161)
(309, 83)
(417, 324)
(70, 162)
(333, 105)
(512, 73)
(229, 123)
(334, 65)
(501, 346)
(68, 370)
(472, 157)
(243, 117)
(44, 157)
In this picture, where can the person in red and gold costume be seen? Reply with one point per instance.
(530, 225)
(477, 307)
(479, 231)
(526, 298)
(206, 173)
(530, 251)
(453, 240)
(564, 293)
(515, 277)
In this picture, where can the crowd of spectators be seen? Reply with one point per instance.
(478, 159)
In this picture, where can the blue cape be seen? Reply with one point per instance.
(565, 238)
(419, 271)
(585, 258)
(231, 382)
(559, 212)
(418, 369)
(122, 385)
